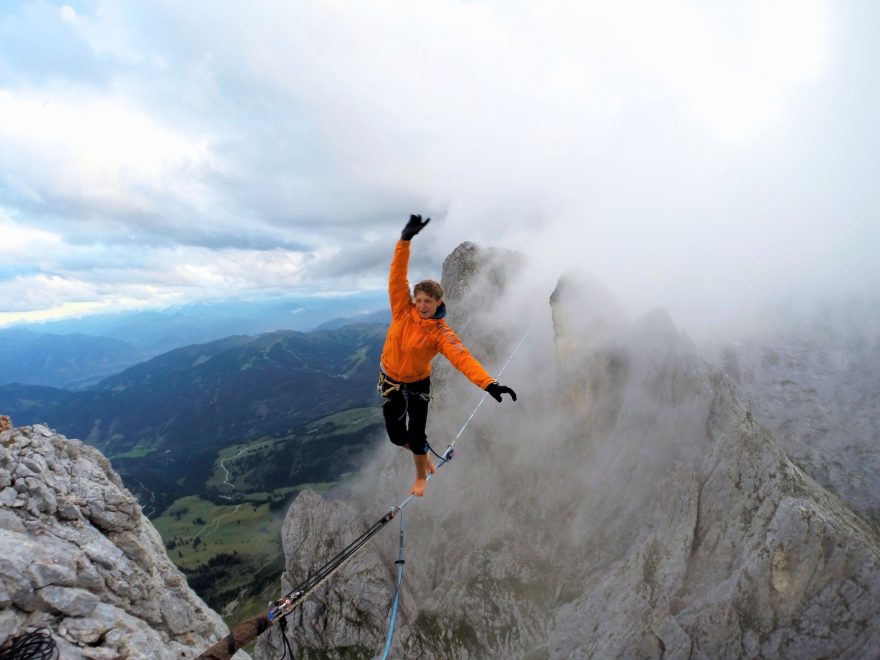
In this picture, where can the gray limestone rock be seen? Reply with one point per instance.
(725, 539)
(61, 572)
(68, 602)
(814, 381)
(314, 531)
(78, 557)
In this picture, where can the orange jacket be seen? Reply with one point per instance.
(413, 342)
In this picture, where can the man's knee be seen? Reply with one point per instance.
(398, 439)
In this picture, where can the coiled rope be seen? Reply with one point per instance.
(35, 645)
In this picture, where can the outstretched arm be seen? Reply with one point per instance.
(454, 351)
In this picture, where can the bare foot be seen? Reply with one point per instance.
(418, 488)
(423, 467)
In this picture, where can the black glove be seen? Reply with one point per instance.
(413, 227)
(497, 390)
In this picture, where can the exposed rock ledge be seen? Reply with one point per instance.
(78, 557)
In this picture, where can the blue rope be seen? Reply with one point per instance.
(400, 564)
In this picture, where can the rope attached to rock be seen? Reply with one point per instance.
(252, 628)
(248, 631)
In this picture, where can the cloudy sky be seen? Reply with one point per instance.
(690, 154)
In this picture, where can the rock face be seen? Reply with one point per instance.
(631, 507)
(314, 531)
(714, 543)
(78, 557)
(818, 391)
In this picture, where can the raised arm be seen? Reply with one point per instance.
(398, 282)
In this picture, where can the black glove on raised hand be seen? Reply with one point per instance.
(413, 227)
(497, 390)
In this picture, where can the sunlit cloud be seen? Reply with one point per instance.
(158, 278)
(22, 242)
(95, 149)
(65, 310)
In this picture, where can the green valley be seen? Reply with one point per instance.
(217, 439)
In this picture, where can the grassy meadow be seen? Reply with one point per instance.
(227, 539)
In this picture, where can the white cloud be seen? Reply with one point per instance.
(97, 150)
(68, 14)
(644, 141)
(156, 278)
(22, 242)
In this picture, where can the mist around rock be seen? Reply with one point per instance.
(634, 502)
(646, 496)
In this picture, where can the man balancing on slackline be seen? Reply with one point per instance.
(417, 333)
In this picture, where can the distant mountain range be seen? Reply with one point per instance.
(69, 361)
(380, 316)
(166, 419)
(77, 353)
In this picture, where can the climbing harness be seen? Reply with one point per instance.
(388, 386)
(252, 628)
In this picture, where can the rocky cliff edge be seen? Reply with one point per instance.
(78, 558)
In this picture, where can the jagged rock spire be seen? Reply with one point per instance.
(636, 509)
